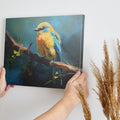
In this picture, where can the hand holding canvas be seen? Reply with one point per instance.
(71, 92)
(64, 107)
(3, 85)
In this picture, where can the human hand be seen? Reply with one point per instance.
(3, 85)
(71, 93)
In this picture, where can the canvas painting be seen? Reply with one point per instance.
(43, 51)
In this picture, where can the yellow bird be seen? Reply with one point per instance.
(48, 41)
(48, 44)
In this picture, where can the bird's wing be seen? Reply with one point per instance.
(57, 45)
(56, 35)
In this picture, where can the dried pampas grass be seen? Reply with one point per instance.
(108, 84)
(86, 109)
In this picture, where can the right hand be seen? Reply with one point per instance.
(3, 85)
(71, 92)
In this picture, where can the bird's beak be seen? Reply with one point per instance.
(36, 29)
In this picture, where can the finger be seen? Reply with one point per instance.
(75, 76)
(12, 86)
(7, 88)
(0, 71)
(3, 73)
(83, 76)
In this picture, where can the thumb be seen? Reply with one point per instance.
(75, 76)
(3, 72)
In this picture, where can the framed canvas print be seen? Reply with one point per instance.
(43, 51)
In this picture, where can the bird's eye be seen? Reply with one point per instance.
(42, 28)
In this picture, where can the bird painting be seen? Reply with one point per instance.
(43, 51)
(48, 43)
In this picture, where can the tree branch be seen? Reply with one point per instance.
(51, 63)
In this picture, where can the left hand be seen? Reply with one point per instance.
(3, 85)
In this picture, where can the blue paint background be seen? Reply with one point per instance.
(70, 29)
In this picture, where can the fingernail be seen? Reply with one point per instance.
(3, 69)
(78, 73)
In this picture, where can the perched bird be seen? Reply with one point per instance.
(49, 45)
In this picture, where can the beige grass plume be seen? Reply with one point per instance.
(86, 109)
(108, 84)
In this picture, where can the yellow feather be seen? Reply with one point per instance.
(45, 45)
